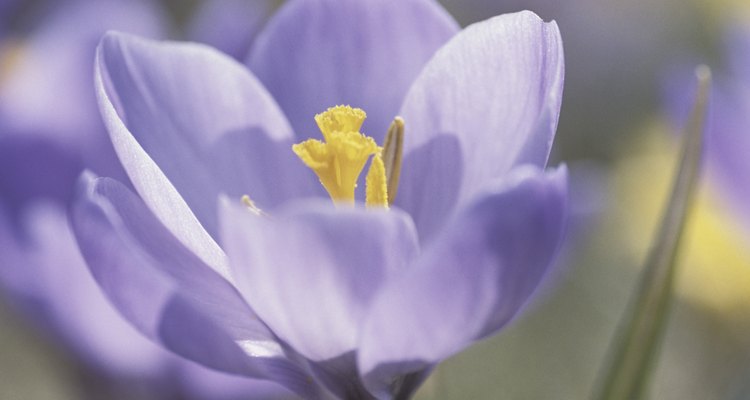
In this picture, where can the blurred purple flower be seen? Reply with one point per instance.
(50, 129)
(729, 132)
(330, 302)
(728, 138)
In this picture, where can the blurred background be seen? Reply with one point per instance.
(625, 93)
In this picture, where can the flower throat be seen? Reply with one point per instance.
(340, 158)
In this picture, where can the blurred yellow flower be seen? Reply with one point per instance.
(714, 269)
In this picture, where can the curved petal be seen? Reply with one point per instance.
(489, 99)
(473, 279)
(198, 115)
(315, 54)
(168, 293)
(229, 25)
(311, 273)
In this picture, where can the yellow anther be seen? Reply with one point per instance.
(376, 194)
(392, 154)
(250, 204)
(338, 162)
(340, 119)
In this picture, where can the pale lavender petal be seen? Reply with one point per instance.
(189, 123)
(315, 54)
(168, 293)
(474, 278)
(489, 100)
(311, 272)
(229, 25)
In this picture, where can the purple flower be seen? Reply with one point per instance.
(50, 129)
(729, 132)
(330, 301)
(728, 125)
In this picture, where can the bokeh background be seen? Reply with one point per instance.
(623, 60)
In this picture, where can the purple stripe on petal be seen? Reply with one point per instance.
(315, 54)
(473, 279)
(489, 100)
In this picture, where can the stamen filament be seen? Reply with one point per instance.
(392, 154)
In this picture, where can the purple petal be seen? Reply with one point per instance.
(189, 123)
(315, 54)
(473, 279)
(168, 293)
(201, 383)
(35, 168)
(489, 100)
(311, 273)
(229, 25)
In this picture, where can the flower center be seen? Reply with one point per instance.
(339, 159)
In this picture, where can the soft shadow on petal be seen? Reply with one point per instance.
(496, 87)
(273, 174)
(311, 271)
(314, 54)
(229, 25)
(168, 104)
(434, 172)
(471, 281)
(168, 293)
(35, 168)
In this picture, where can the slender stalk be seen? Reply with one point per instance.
(634, 349)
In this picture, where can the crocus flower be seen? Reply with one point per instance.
(729, 131)
(329, 299)
(728, 125)
(49, 131)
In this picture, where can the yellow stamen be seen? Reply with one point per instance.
(376, 194)
(338, 162)
(392, 154)
(340, 119)
(250, 204)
